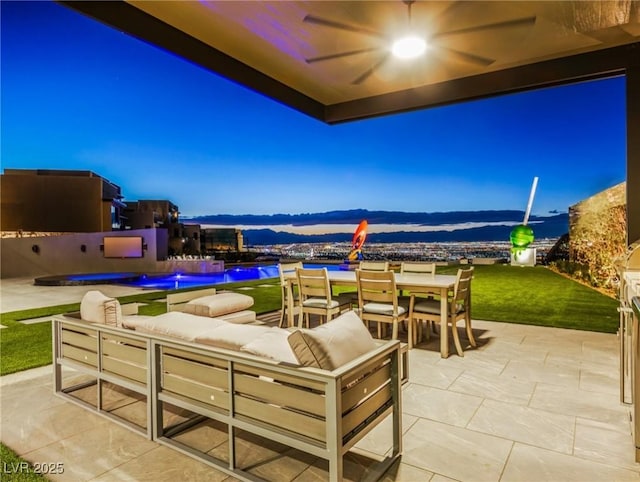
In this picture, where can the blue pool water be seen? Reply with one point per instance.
(110, 277)
(171, 281)
(191, 280)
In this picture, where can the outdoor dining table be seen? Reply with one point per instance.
(439, 284)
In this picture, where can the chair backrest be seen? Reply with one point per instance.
(313, 283)
(461, 289)
(374, 265)
(287, 269)
(417, 267)
(376, 287)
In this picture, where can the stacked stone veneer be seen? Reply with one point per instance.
(597, 234)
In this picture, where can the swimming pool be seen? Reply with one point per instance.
(237, 274)
(171, 281)
(176, 281)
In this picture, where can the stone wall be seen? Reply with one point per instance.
(597, 234)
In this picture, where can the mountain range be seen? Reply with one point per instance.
(399, 226)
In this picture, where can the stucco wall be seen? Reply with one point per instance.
(62, 254)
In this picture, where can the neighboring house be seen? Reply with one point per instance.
(37, 202)
(64, 201)
(221, 239)
(145, 214)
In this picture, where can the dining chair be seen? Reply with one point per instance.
(378, 301)
(316, 297)
(417, 268)
(374, 265)
(459, 308)
(289, 289)
(369, 266)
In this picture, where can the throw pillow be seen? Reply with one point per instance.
(98, 308)
(333, 344)
(272, 344)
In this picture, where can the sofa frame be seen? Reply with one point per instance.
(320, 412)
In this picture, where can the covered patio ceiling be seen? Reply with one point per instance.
(331, 59)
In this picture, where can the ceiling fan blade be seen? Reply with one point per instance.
(367, 73)
(339, 54)
(341, 26)
(471, 58)
(447, 10)
(526, 21)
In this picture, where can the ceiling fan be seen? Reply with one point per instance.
(413, 43)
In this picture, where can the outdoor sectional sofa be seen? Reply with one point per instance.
(182, 371)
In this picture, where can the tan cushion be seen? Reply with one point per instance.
(333, 344)
(132, 321)
(272, 344)
(240, 317)
(218, 304)
(177, 325)
(382, 308)
(320, 303)
(98, 308)
(432, 307)
(231, 336)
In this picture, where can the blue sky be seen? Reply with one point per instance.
(80, 95)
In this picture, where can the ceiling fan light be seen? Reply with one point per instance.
(409, 47)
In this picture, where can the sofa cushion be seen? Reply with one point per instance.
(240, 317)
(176, 324)
(231, 336)
(98, 308)
(332, 344)
(131, 322)
(272, 344)
(218, 304)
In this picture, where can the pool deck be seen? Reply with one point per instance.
(21, 294)
(529, 404)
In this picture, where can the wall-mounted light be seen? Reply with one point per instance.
(83, 248)
(35, 248)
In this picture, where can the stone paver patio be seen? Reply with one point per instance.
(529, 404)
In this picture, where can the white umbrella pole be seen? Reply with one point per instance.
(530, 203)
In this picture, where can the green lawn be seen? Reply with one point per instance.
(539, 296)
(535, 296)
(16, 469)
(25, 346)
